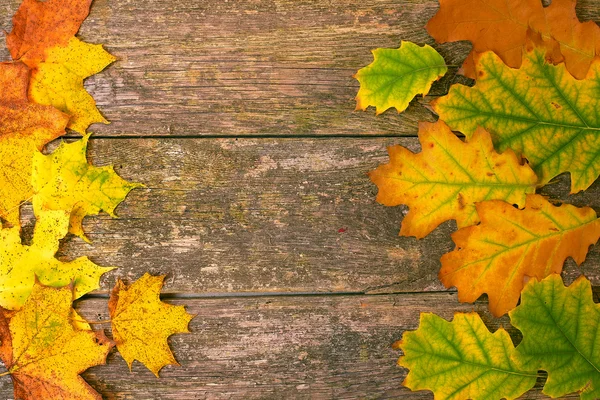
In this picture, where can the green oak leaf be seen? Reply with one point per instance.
(396, 76)
(462, 359)
(560, 328)
(540, 111)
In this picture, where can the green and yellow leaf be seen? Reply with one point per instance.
(396, 76)
(448, 177)
(511, 245)
(540, 111)
(462, 359)
(560, 335)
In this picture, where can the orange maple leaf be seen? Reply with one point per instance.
(501, 26)
(510, 245)
(24, 129)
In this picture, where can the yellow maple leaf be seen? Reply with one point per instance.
(141, 323)
(496, 256)
(64, 180)
(20, 264)
(445, 180)
(58, 81)
(44, 353)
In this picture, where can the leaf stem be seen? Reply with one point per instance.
(5, 373)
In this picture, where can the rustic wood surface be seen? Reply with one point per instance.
(238, 116)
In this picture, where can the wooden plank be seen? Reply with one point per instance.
(300, 347)
(252, 67)
(254, 215)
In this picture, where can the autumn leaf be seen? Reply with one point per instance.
(25, 128)
(64, 180)
(141, 323)
(20, 264)
(501, 26)
(445, 180)
(511, 245)
(462, 360)
(43, 38)
(397, 75)
(560, 335)
(539, 111)
(44, 353)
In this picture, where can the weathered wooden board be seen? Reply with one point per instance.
(226, 215)
(252, 67)
(285, 347)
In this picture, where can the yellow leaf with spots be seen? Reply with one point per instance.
(540, 111)
(448, 177)
(510, 246)
(64, 180)
(44, 353)
(58, 81)
(141, 323)
(20, 264)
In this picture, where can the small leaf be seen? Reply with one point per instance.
(445, 180)
(141, 323)
(496, 256)
(44, 353)
(396, 76)
(64, 180)
(560, 335)
(462, 360)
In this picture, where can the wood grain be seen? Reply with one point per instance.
(299, 347)
(275, 215)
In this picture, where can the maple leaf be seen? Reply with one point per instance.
(44, 353)
(462, 359)
(25, 128)
(446, 179)
(141, 323)
(20, 264)
(496, 256)
(64, 180)
(43, 38)
(560, 335)
(501, 26)
(396, 76)
(538, 103)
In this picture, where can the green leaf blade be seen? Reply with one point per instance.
(396, 76)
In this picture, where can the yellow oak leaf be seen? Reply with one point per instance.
(25, 128)
(141, 323)
(58, 81)
(20, 264)
(448, 177)
(64, 180)
(509, 246)
(44, 353)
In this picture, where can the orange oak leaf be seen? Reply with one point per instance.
(510, 245)
(25, 128)
(44, 352)
(447, 178)
(501, 26)
(141, 323)
(40, 25)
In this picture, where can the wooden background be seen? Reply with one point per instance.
(238, 116)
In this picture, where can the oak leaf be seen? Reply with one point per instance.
(501, 26)
(397, 75)
(141, 323)
(445, 180)
(64, 180)
(21, 264)
(540, 111)
(462, 359)
(560, 335)
(25, 128)
(511, 245)
(44, 353)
